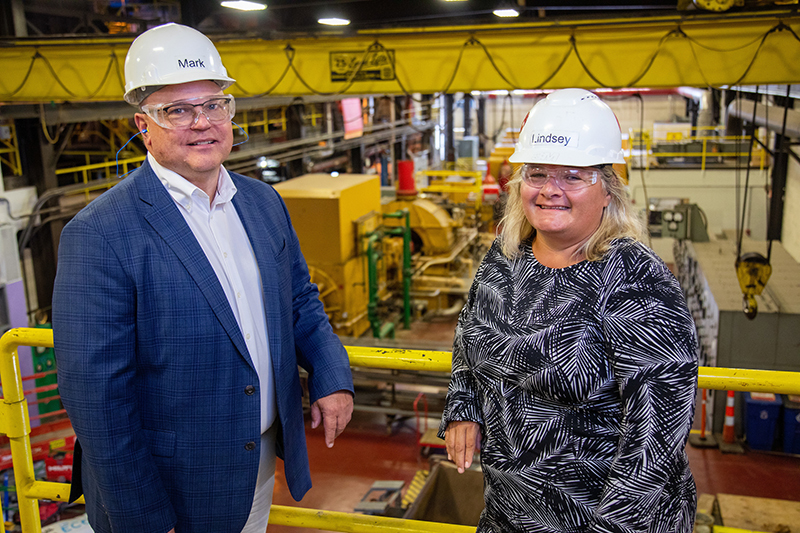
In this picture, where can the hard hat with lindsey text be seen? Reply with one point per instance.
(168, 55)
(570, 127)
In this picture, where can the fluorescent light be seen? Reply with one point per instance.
(334, 21)
(506, 12)
(244, 5)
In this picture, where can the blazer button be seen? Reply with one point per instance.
(250, 446)
(249, 390)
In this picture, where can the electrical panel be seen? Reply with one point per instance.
(684, 221)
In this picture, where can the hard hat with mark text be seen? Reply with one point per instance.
(168, 55)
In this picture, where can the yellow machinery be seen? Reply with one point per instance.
(445, 224)
(431, 224)
(330, 215)
(371, 260)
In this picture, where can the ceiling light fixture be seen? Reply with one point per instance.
(506, 12)
(333, 21)
(244, 5)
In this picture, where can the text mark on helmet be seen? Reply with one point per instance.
(191, 63)
(560, 138)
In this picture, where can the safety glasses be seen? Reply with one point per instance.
(566, 179)
(184, 113)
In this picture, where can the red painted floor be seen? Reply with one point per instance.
(342, 475)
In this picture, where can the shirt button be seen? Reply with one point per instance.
(250, 446)
(225, 254)
(238, 294)
(249, 390)
(247, 336)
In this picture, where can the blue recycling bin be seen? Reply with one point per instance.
(762, 412)
(791, 423)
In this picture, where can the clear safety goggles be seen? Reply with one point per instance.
(184, 113)
(566, 179)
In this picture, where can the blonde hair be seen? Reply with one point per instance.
(619, 219)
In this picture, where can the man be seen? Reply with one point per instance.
(182, 307)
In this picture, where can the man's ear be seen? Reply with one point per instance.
(141, 122)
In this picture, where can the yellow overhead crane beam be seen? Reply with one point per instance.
(663, 51)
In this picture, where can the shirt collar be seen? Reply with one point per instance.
(185, 193)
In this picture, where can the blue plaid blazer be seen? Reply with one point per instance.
(153, 369)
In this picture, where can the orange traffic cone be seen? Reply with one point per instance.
(728, 434)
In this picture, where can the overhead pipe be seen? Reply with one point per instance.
(705, 111)
(768, 116)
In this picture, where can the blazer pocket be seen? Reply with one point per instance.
(160, 443)
(280, 246)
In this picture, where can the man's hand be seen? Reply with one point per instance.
(334, 411)
(462, 439)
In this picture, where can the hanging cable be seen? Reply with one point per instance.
(50, 140)
(737, 172)
(747, 177)
(502, 119)
(275, 85)
(511, 116)
(642, 155)
(112, 62)
(779, 150)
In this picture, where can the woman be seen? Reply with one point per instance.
(574, 361)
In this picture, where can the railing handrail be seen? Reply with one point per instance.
(15, 423)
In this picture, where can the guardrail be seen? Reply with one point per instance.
(15, 423)
(708, 145)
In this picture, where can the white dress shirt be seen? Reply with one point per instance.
(219, 231)
(221, 235)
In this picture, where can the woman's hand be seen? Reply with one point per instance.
(462, 439)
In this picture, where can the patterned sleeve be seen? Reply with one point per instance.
(462, 402)
(651, 341)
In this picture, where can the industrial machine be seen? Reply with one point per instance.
(684, 221)
(378, 262)
(331, 215)
(676, 218)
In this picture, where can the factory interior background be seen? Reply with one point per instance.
(387, 131)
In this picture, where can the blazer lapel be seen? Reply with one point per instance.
(266, 244)
(163, 215)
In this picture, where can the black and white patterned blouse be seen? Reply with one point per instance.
(583, 380)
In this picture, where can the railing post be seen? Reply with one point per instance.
(703, 156)
(16, 421)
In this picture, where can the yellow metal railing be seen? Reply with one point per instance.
(10, 146)
(473, 184)
(105, 166)
(15, 423)
(709, 141)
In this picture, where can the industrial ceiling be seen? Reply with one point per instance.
(75, 49)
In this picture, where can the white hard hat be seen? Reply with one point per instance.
(168, 55)
(570, 127)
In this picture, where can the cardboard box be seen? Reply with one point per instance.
(449, 497)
